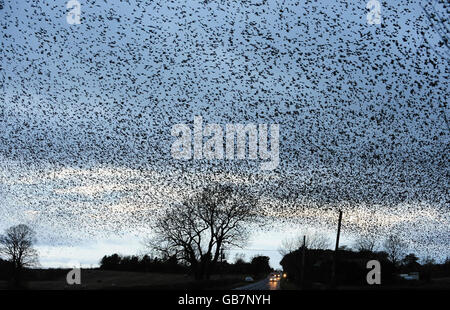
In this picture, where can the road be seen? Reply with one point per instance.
(261, 285)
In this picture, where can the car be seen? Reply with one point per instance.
(249, 279)
(273, 277)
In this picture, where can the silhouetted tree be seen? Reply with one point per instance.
(144, 263)
(410, 263)
(16, 246)
(395, 248)
(366, 242)
(288, 245)
(110, 262)
(260, 265)
(196, 231)
(314, 240)
(410, 259)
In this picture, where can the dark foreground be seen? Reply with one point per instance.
(95, 279)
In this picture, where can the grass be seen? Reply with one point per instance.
(94, 279)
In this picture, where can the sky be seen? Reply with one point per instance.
(86, 113)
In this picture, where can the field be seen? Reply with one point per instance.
(93, 279)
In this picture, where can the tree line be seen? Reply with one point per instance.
(258, 266)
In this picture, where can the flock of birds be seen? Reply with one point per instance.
(86, 113)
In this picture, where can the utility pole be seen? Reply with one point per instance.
(333, 270)
(302, 277)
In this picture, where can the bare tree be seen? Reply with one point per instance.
(288, 245)
(367, 242)
(395, 248)
(16, 246)
(314, 240)
(196, 231)
(239, 258)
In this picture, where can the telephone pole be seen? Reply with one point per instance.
(333, 270)
(302, 275)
